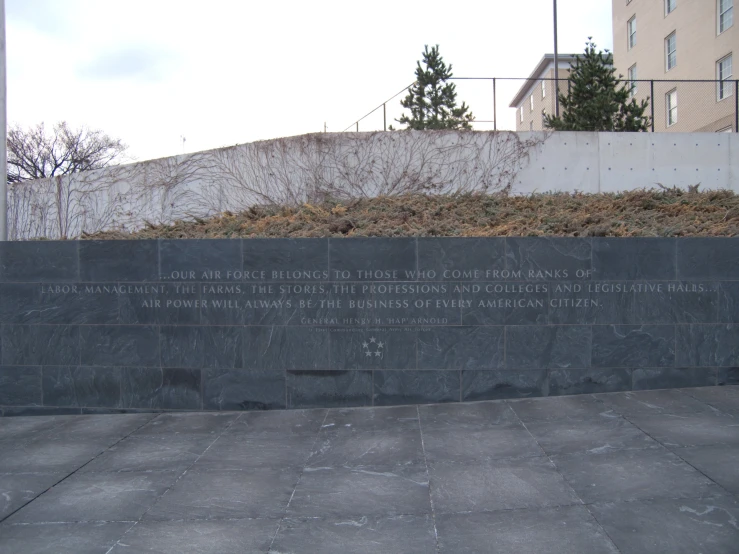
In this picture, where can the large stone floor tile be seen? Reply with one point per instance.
(498, 485)
(367, 449)
(196, 423)
(569, 529)
(719, 463)
(724, 399)
(631, 475)
(151, 453)
(281, 422)
(46, 455)
(474, 447)
(110, 428)
(358, 535)
(690, 429)
(199, 537)
(19, 489)
(97, 497)
(61, 538)
(393, 418)
(249, 493)
(355, 492)
(595, 434)
(22, 429)
(581, 406)
(671, 401)
(685, 526)
(466, 416)
(253, 451)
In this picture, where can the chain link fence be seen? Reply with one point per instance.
(519, 104)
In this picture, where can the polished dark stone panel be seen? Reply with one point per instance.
(40, 261)
(728, 302)
(498, 384)
(80, 538)
(708, 258)
(119, 345)
(361, 255)
(505, 303)
(634, 258)
(82, 386)
(331, 389)
(415, 387)
(707, 345)
(475, 259)
(679, 302)
(35, 303)
(243, 389)
(40, 345)
(588, 381)
(202, 347)
(286, 348)
(670, 377)
(633, 346)
(535, 256)
(575, 303)
(552, 346)
(119, 260)
(20, 386)
(431, 304)
(192, 259)
(162, 304)
(727, 376)
(376, 348)
(461, 348)
(171, 389)
(287, 259)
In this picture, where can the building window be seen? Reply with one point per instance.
(723, 73)
(521, 116)
(531, 125)
(631, 32)
(725, 14)
(632, 80)
(671, 106)
(671, 51)
(543, 119)
(543, 89)
(670, 6)
(531, 103)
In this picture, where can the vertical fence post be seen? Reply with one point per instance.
(736, 106)
(384, 117)
(651, 95)
(495, 108)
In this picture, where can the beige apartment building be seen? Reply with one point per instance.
(535, 98)
(673, 40)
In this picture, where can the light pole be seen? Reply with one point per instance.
(556, 65)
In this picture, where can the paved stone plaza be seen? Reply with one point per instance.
(631, 472)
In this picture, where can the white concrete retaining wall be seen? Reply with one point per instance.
(311, 167)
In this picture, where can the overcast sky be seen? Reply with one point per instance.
(231, 71)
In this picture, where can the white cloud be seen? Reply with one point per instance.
(227, 72)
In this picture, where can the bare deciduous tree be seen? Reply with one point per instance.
(35, 154)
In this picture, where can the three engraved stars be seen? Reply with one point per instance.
(369, 351)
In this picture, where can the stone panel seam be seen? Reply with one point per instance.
(300, 478)
(428, 477)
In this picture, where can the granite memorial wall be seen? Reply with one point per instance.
(108, 326)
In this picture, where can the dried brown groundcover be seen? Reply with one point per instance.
(639, 213)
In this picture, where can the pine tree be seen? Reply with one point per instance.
(431, 100)
(595, 101)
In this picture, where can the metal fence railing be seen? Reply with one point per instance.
(519, 104)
